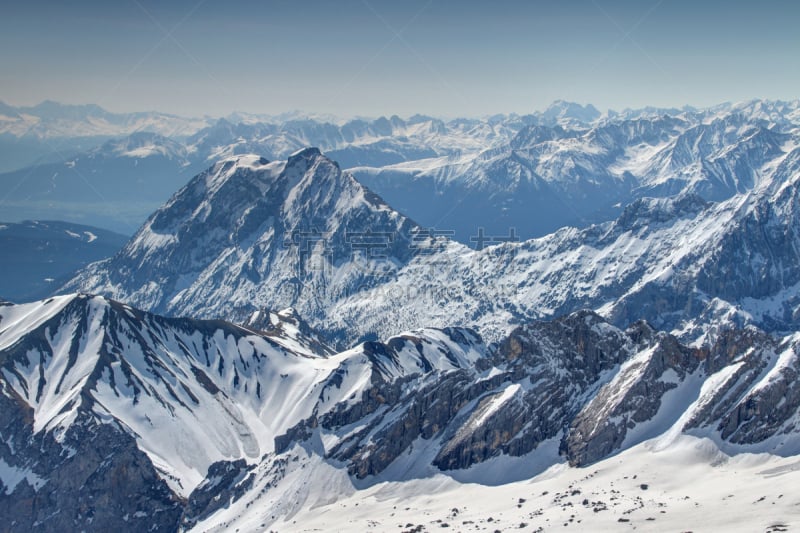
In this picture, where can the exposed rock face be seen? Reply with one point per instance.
(396, 409)
(510, 402)
(92, 478)
(578, 379)
(231, 478)
(632, 398)
(551, 367)
(758, 401)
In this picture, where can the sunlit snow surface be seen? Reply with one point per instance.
(689, 485)
(191, 393)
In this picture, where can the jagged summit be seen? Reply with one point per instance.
(305, 153)
(254, 234)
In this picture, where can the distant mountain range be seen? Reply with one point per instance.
(567, 165)
(575, 173)
(52, 120)
(51, 132)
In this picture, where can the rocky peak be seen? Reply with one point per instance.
(581, 342)
(646, 211)
(303, 156)
(286, 225)
(288, 324)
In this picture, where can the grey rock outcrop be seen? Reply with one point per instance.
(93, 478)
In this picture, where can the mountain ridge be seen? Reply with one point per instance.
(81, 371)
(652, 251)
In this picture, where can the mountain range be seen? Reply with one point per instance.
(130, 172)
(117, 418)
(285, 344)
(527, 175)
(248, 234)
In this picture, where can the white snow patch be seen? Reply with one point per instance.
(11, 476)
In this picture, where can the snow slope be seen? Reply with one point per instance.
(708, 491)
(192, 393)
(640, 488)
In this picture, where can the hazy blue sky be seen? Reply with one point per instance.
(371, 57)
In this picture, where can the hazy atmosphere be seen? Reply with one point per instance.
(373, 57)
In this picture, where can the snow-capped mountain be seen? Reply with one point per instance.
(248, 234)
(49, 120)
(116, 185)
(574, 173)
(113, 416)
(271, 233)
(39, 255)
(670, 325)
(119, 418)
